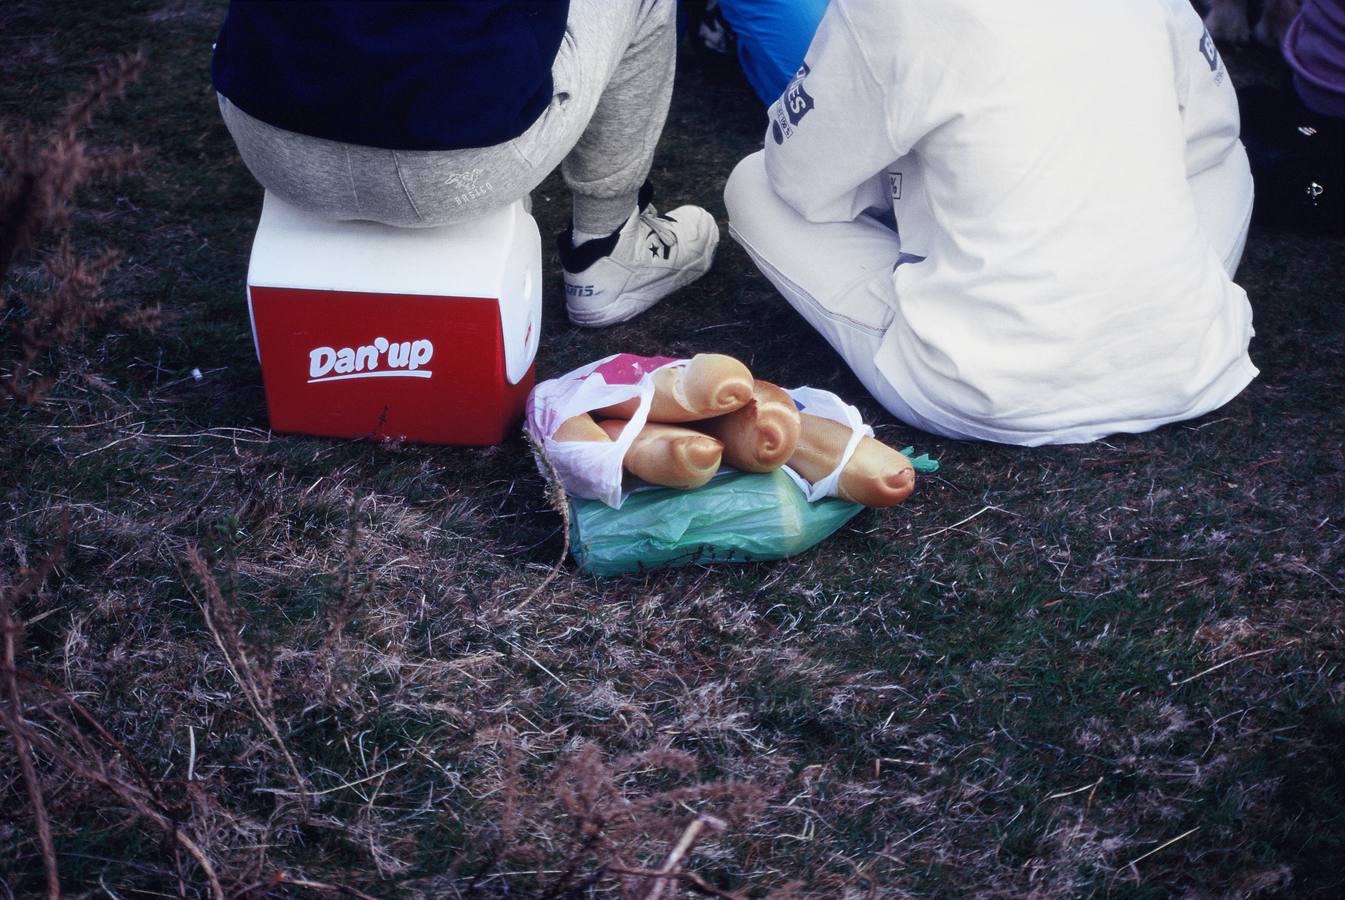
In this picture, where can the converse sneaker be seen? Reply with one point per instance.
(612, 279)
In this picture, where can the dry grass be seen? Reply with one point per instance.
(258, 665)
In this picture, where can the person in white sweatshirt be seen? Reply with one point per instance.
(1016, 222)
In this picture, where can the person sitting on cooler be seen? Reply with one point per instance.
(419, 114)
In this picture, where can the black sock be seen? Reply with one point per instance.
(576, 259)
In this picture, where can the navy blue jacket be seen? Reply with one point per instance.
(392, 73)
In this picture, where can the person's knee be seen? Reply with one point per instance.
(747, 191)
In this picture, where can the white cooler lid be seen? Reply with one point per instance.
(297, 250)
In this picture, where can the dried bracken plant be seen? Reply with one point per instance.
(38, 181)
(11, 710)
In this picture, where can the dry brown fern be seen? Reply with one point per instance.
(38, 181)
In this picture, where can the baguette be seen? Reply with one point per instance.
(762, 435)
(710, 384)
(876, 475)
(668, 455)
(581, 428)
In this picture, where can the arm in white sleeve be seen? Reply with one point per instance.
(1209, 106)
(829, 138)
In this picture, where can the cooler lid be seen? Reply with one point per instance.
(297, 250)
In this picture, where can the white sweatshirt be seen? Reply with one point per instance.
(1036, 155)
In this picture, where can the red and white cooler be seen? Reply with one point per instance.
(419, 334)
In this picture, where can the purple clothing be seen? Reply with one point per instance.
(1315, 49)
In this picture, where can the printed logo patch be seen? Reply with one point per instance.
(792, 106)
(1208, 51)
(894, 183)
(797, 103)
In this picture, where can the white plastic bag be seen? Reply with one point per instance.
(592, 469)
(828, 406)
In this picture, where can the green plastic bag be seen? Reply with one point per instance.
(737, 517)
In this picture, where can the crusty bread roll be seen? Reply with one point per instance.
(710, 384)
(762, 435)
(876, 475)
(668, 455)
(581, 428)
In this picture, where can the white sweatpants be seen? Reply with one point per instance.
(838, 275)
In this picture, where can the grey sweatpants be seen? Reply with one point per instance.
(612, 79)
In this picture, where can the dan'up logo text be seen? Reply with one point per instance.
(380, 359)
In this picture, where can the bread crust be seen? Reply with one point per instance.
(668, 455)
(581, 428)
(876, 475)
(710, 384)
(761, 436)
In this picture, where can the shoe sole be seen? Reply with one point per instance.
(598, 318)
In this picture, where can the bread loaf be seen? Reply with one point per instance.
(581, 428)
(668, 455)
(762, 435)
(710, 384)
(876, 475)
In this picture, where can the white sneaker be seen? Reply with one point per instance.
(654, 255)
